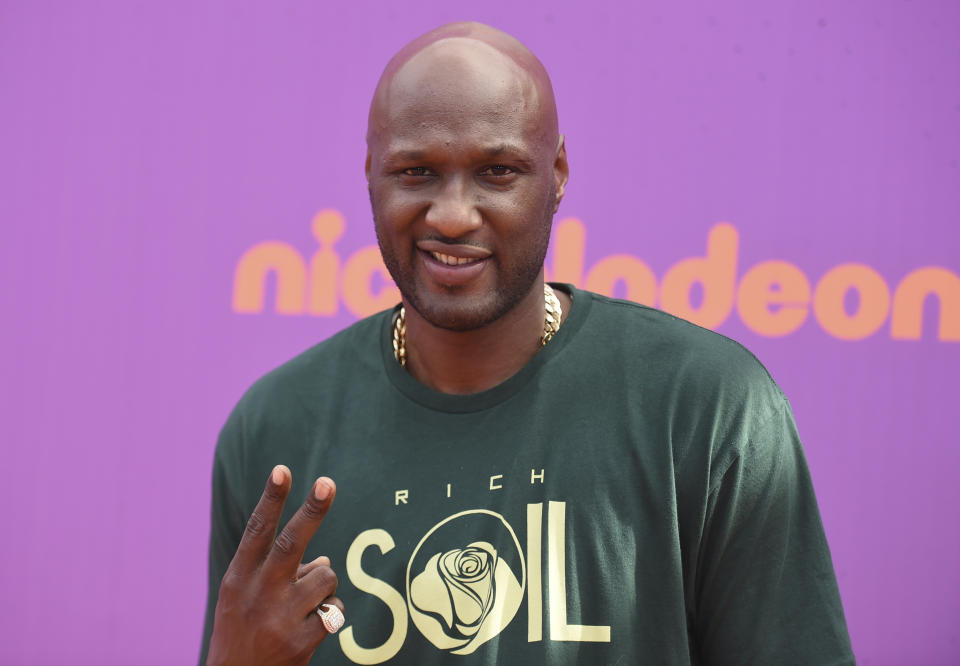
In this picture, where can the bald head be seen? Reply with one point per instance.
(464, 68)
(466, 170)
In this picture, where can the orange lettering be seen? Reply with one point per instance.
(910, 295)
(716, 273)
(569, 242)
(773, 298)
(874, 296)
(251, 274)
(773, 283)
(328, 226)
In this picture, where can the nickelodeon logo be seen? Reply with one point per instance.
(772, 298)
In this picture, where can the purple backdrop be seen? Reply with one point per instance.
(147, 147)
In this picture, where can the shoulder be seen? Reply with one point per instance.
(671, 350)
(318, 378)
(352, 352)
(707, 390)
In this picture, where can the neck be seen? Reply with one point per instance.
(463, 362)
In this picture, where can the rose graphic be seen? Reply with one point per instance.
(464, 597)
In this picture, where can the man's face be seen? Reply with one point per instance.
(464, 186)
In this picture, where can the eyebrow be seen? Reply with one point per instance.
(419, 154)
(500, 149)
(409, 155)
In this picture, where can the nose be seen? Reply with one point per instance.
(453, 212)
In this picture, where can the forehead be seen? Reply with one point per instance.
(458, 90)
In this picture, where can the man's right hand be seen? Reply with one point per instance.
(266, 608)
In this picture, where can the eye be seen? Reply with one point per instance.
(416, 172)
(497, 170)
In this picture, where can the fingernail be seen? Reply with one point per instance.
(321, 491)
(277, 475)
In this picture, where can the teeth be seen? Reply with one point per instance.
(452, 261)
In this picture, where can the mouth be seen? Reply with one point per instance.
(459, 254)
(453, 265)
(451, 260)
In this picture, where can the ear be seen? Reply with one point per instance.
(366, 167)
(561, 171)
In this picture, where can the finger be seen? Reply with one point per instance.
(288, 548)
(262, 525)
(315, 586)
(304, 569)
(335, 601)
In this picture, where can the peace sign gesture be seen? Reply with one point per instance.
(266, 607)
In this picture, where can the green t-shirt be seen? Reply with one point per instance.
(636, 494)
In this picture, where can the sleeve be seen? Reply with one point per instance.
(227, 520)
(766, 589)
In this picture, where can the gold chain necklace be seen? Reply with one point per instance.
(551, 324)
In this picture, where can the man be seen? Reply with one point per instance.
(530, 474)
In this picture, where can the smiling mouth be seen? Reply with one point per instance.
(451, 260)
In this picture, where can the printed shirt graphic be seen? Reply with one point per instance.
(635, 494)
(463, 597)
